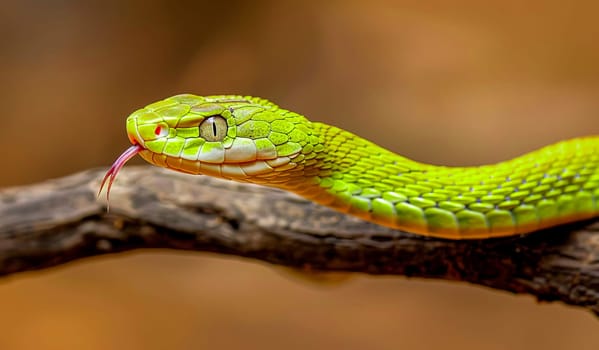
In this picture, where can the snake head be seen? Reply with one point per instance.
(232, 137)
(241, 138)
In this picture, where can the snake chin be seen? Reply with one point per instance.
(256, 171)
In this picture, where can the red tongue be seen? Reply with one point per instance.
(116, 167)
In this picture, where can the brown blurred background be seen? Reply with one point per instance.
(460, 82)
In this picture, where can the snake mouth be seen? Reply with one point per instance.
(117, 166)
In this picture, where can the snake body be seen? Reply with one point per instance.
(250, 139)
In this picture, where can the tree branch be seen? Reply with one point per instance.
(57, 221)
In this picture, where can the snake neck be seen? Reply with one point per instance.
(348, 171)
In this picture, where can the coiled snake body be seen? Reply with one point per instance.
(249, 139)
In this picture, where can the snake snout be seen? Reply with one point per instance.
(132, 133)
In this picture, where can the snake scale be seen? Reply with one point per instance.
(249, 139)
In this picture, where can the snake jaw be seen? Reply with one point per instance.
(116, 167)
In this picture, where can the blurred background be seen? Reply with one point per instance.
(455, 83)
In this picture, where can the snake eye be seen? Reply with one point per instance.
(213, 128)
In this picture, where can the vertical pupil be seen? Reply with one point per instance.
(214, 127)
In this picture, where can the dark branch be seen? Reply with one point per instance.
(54, 222)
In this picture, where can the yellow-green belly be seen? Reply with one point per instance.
(554, 185)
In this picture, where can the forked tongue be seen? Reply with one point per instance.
(116, 167)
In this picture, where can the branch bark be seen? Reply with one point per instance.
(57, 221)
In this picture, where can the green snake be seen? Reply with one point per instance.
(249, 139)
